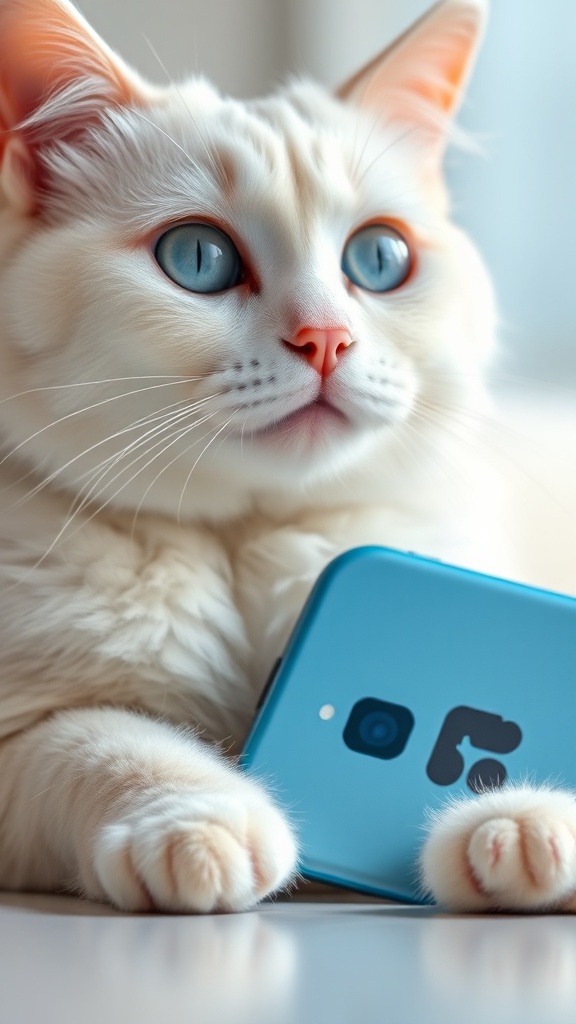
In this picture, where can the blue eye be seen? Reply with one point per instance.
(199, 258)
(376, 258)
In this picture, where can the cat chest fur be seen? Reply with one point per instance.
(177, 620)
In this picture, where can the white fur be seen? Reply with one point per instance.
(155, 550)
(511, 849)
(134, 811)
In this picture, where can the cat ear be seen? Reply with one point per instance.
(419, 80)
(56, 78)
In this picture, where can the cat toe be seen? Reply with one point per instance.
(221, 856)
(528, 862)
(511, 849)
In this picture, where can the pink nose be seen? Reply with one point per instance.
(321, 348)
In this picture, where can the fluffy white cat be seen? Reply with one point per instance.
(235, 340)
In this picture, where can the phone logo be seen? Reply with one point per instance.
(486, 732)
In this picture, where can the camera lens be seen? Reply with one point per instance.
(378, 728)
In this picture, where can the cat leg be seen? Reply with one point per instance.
(511, 849)
(133, 811)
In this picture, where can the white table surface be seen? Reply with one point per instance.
(297, 962)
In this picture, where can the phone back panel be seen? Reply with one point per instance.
(470, 669)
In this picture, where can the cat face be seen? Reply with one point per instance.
(201, 296)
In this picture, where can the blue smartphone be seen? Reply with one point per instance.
(406, 681)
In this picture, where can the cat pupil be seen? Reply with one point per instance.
(376, 258)
(199, 258)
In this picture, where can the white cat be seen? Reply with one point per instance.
(235, 339)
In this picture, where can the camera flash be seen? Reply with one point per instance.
(327, 711)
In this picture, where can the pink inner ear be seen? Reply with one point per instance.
(46, 45)
(426, 69)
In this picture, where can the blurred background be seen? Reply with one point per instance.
(517, 199)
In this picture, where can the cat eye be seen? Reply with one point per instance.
(376, 258)
(199, 258)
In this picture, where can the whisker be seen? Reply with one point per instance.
(175, 377)
(165, 423)
(362, 105)
(63, 530)
(172, 461)
(46, 481)
(399, 138)
(194, 163)
(242, 436)
(481, 442)
(467, 415)
(212, 156)
(186, 482)
(354, 172)
(142, 421)
(473, 489)
(176, 434)
(79, 412)
(179, 435)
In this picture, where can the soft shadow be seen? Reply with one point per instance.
(56, 905)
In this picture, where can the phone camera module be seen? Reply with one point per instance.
(378, 728)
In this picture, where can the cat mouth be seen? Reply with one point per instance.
(312, 422)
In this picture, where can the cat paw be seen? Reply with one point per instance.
(197, 853)
(513, 849)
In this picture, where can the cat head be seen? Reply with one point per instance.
(203, 300)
